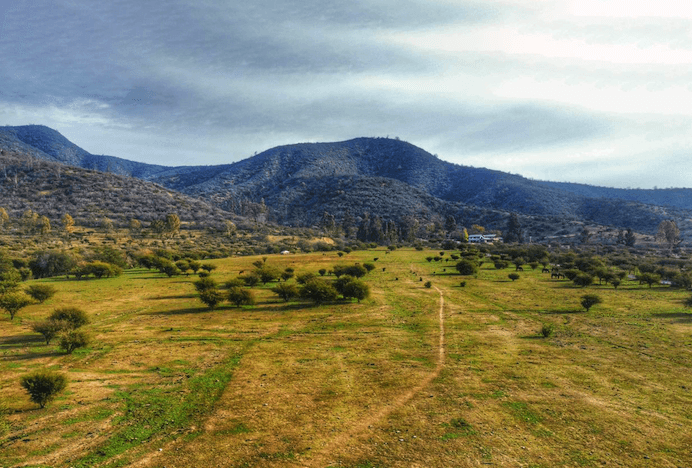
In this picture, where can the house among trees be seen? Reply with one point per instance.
(484, 238)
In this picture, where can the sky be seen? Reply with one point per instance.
(588, 91)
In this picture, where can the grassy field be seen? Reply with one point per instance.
(412, 377)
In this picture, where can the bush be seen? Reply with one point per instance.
(466, 267)
(356, 289)
(240, 296)
(286, 291)
(205, 284)
(234, 283)
(547, 330)
(428, 284)
(72, 340)
(305, 277)
(43, 385)
(368, 266)
(462, 284)
(514, 276)
(583, 280)
(50, 328)
(12, 302)
(211, 297)
(590, 300)
(71, 316)
(41, 292)
(318, 291)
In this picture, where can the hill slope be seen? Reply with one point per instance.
(384, 177)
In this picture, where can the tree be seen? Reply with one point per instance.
(43, 385)
(72, 340)
(41, 292)
(630, 238)
(668, 234)
(205, 284)
(172, 224)
(466, 267)
(583, 280)
(211, 297)
(49, 328)
(514, 276)
(286, 291)
(71, 316)
(67, 223)
(268, 273)
(590, 300)
(251, 279)
(4, 218)
(450, 224)
(649, 278)
(13, 302)
(356, 289)
(240, 296)
(318, 291)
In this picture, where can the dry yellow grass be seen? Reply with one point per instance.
(361, 385)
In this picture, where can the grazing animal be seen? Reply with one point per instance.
(520, 269)
(396, 279)
(383, 269)
(545, 270)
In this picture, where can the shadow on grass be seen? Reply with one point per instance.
(532, 337)
(188, 311)
(28, 356)
(566, 312)
(679, 317)
(21, 340)
(179, 296)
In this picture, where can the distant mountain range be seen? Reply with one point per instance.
(384, 177)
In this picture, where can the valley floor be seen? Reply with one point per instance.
(412, 377)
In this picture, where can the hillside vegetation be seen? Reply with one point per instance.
(296, 183)
(414, 376)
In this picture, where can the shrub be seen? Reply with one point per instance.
(547, 330)
(318, 291)
(43, 385)
(322, 271)
(49, 328)
(208, 267)
(234, 283)
(356, 289)
(251, 279)
(501, 264)
(462, 284)
(72, 340)
(240, 296)
(590, 300)
(13, 302)
(286, 291)
(41, 292)
(428, 284)
(583, 280)
(368, 266)
(205, 284)
(211, 297)
(514, 276)
(305, 277)
(687, 302)
(71, 316)
(466, 267)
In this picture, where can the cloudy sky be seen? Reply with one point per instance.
(593, 91)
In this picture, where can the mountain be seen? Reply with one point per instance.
(50, 188)
(384, 177)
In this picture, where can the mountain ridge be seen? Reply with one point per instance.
(300, 181)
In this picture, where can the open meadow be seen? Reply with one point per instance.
(445, 376)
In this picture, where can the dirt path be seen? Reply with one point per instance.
(324, 456)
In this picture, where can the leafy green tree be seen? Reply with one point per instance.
(41, 292)
(518, 262)
(286, 291)
(72, 340)
(466, 267)
(205, 284)
(43, 385)
(251, 279)
(268, 273)
(287, 275)
(513, 231)
(13, 302)
(501, 264)
(590, 300)
(356, 289)
(49, 329)
(514, 276)
(211, 297)
(649, 278)
(305, 277)
(240, 296)
(51, 263)
(234, 283)
(73, 317)
(583, 280)
(318, 291)
(630, 238)
(369, 266)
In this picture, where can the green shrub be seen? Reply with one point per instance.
(547, 330)
(590, 300)
(41, 292)
(514, 276)
(240, 296)
(462, 284)
(286, 291)
(205, 284)
(13, 302)
(211, 297)
(72, 316)
(466, 267)
(428, 284)
(356, 289)
(43, 385)
(72, 340)
(318, 291)
(50, 328)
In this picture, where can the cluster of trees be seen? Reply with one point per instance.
(307, 286)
